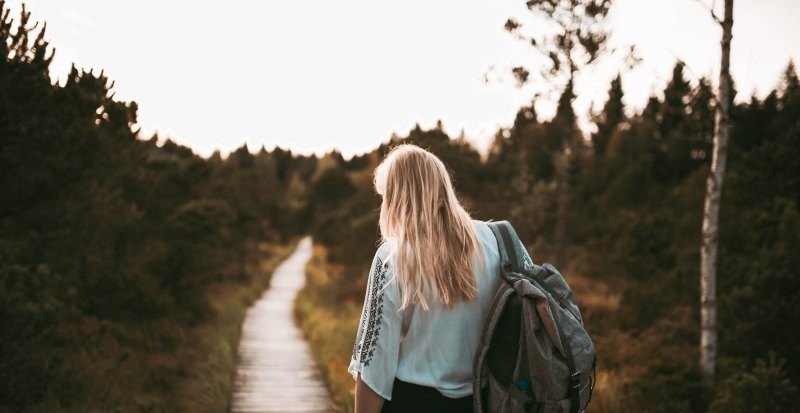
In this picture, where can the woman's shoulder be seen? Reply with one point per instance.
(382, 272)
(382, 256)
(384, 251)
(482, 229)
(479, 223)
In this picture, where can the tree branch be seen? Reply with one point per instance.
(710, 10)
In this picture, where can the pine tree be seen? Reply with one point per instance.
(673, 110)
(790, 91)
(701, 121)
(671, 157)
(610, 117)
(579, 42)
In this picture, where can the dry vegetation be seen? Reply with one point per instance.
(330, 324)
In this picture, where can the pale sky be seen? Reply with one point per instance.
(315, 75)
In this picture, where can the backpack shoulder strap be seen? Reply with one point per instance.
(507, 242)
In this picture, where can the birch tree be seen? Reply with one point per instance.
(710, 229)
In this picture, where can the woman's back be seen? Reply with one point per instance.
(443, 275)
(438, 348)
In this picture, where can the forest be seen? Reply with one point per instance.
(126, 263)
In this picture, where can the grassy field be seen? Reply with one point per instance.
(329, 320)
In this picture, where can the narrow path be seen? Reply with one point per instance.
(276, 371)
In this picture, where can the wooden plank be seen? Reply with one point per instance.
(276, 370)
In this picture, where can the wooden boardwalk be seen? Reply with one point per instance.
(276, 371)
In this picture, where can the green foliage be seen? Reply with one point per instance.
(763, 389)
(111, 245)
(637, 199)
(125, 261)
(579, 37)
(610, 117)
(32, 306)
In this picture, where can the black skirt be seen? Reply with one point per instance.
(413, 398)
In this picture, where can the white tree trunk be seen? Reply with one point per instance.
(710, 231)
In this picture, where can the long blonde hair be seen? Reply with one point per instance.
(433, 238)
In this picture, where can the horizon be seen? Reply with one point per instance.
(280, 88)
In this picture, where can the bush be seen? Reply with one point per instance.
(764, 389)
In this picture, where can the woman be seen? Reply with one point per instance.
(430, 285)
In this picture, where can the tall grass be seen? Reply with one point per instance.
(328, 308)
(329, 324)
(207, 384)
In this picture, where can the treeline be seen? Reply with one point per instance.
(110, 244)
(633, 231)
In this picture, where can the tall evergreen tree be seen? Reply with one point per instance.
(580, 40)
(613, 113)
(790, 92)
(676, 96)
(671, 157)
(701, 122)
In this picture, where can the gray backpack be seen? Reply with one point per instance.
(534, 354)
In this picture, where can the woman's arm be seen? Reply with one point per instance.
(367, 401)
(376, 352)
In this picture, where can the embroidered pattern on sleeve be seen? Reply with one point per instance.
(371, 316)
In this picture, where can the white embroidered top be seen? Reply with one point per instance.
(438, 348)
